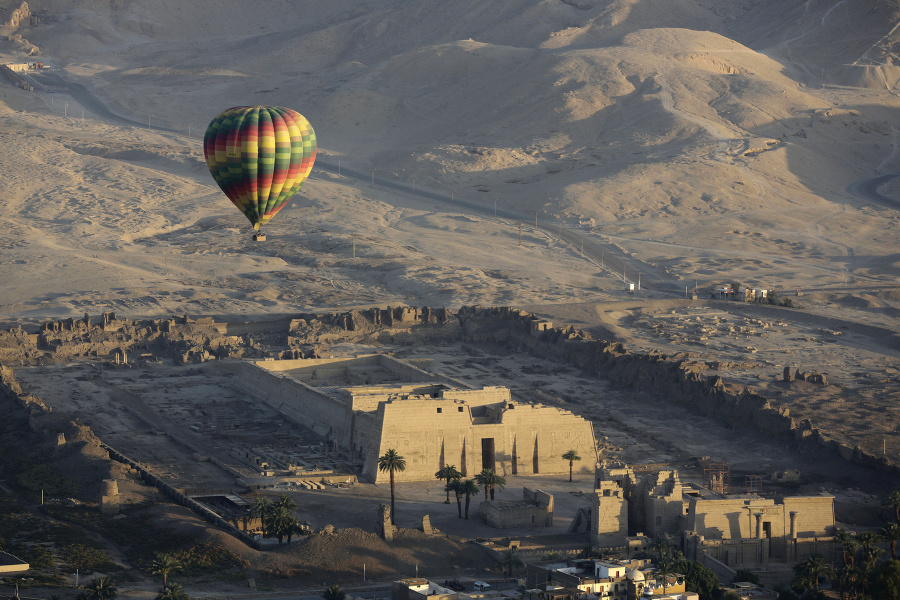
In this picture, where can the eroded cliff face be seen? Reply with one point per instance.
(682, 378)
(678, 377)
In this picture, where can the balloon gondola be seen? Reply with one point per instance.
(259, 156)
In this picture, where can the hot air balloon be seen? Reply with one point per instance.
(259, 156)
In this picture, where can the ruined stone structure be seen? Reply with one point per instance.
(430, 420)
(19, 16)
(109, 497)
(383, 525)
(748, 530)
(609, 515)
(535, 509)
(743, 530)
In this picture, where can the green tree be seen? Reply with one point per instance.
(448, 473)
(284, 501)
(699, 578)
(893, 501)
(891, 533)
(842, 538)
(667, 563)
(101, 588)
(868, 539)
(281, 522)
(887, 583)
(469, 488)
(334, 592)
(391, 462)
(260, 509)
(812, 570)
(455, 486)
(509, 560)
(164, 564)
(490, 480)
(173, 591)
(571, 456)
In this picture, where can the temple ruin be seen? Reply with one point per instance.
(369, 404)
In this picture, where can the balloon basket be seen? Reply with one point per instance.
(259, 237)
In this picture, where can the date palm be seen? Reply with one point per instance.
(490, 480)
(164, 564)
(391, 462)
(261, 509)
(469, 488)
(868, 539)
(101, 588)
(448, 473)
(893, 500)
(891, 534)
(571, 456)
(455, 486)
(172, 591)
(812, 570)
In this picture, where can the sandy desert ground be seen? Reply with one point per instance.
(518, 153)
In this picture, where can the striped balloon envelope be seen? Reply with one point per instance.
(259, 156)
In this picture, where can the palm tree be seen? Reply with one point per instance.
(469, 488)
(666, 564)
(390, 462)
(845, 580)
(101, 588)
(891, 533)
(164, 564)
(285, 501)
(334, 592)
(893, 500)
(813, 569)
(841, 538)
(447, 473)
(571, 456)
(509, 560)
(490, 480)
(293, 526)
(455, 486)
(261, 508)
(172, 591)
(868, 539)
(280, 521)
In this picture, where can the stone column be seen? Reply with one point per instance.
(759, 517)
(792, 544)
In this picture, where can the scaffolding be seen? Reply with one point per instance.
(753, 483)
(717, 475)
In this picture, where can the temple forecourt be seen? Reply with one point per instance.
(368, 404)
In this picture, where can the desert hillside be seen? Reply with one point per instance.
(696, 143)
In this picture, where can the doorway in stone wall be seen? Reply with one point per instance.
(487, 454)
